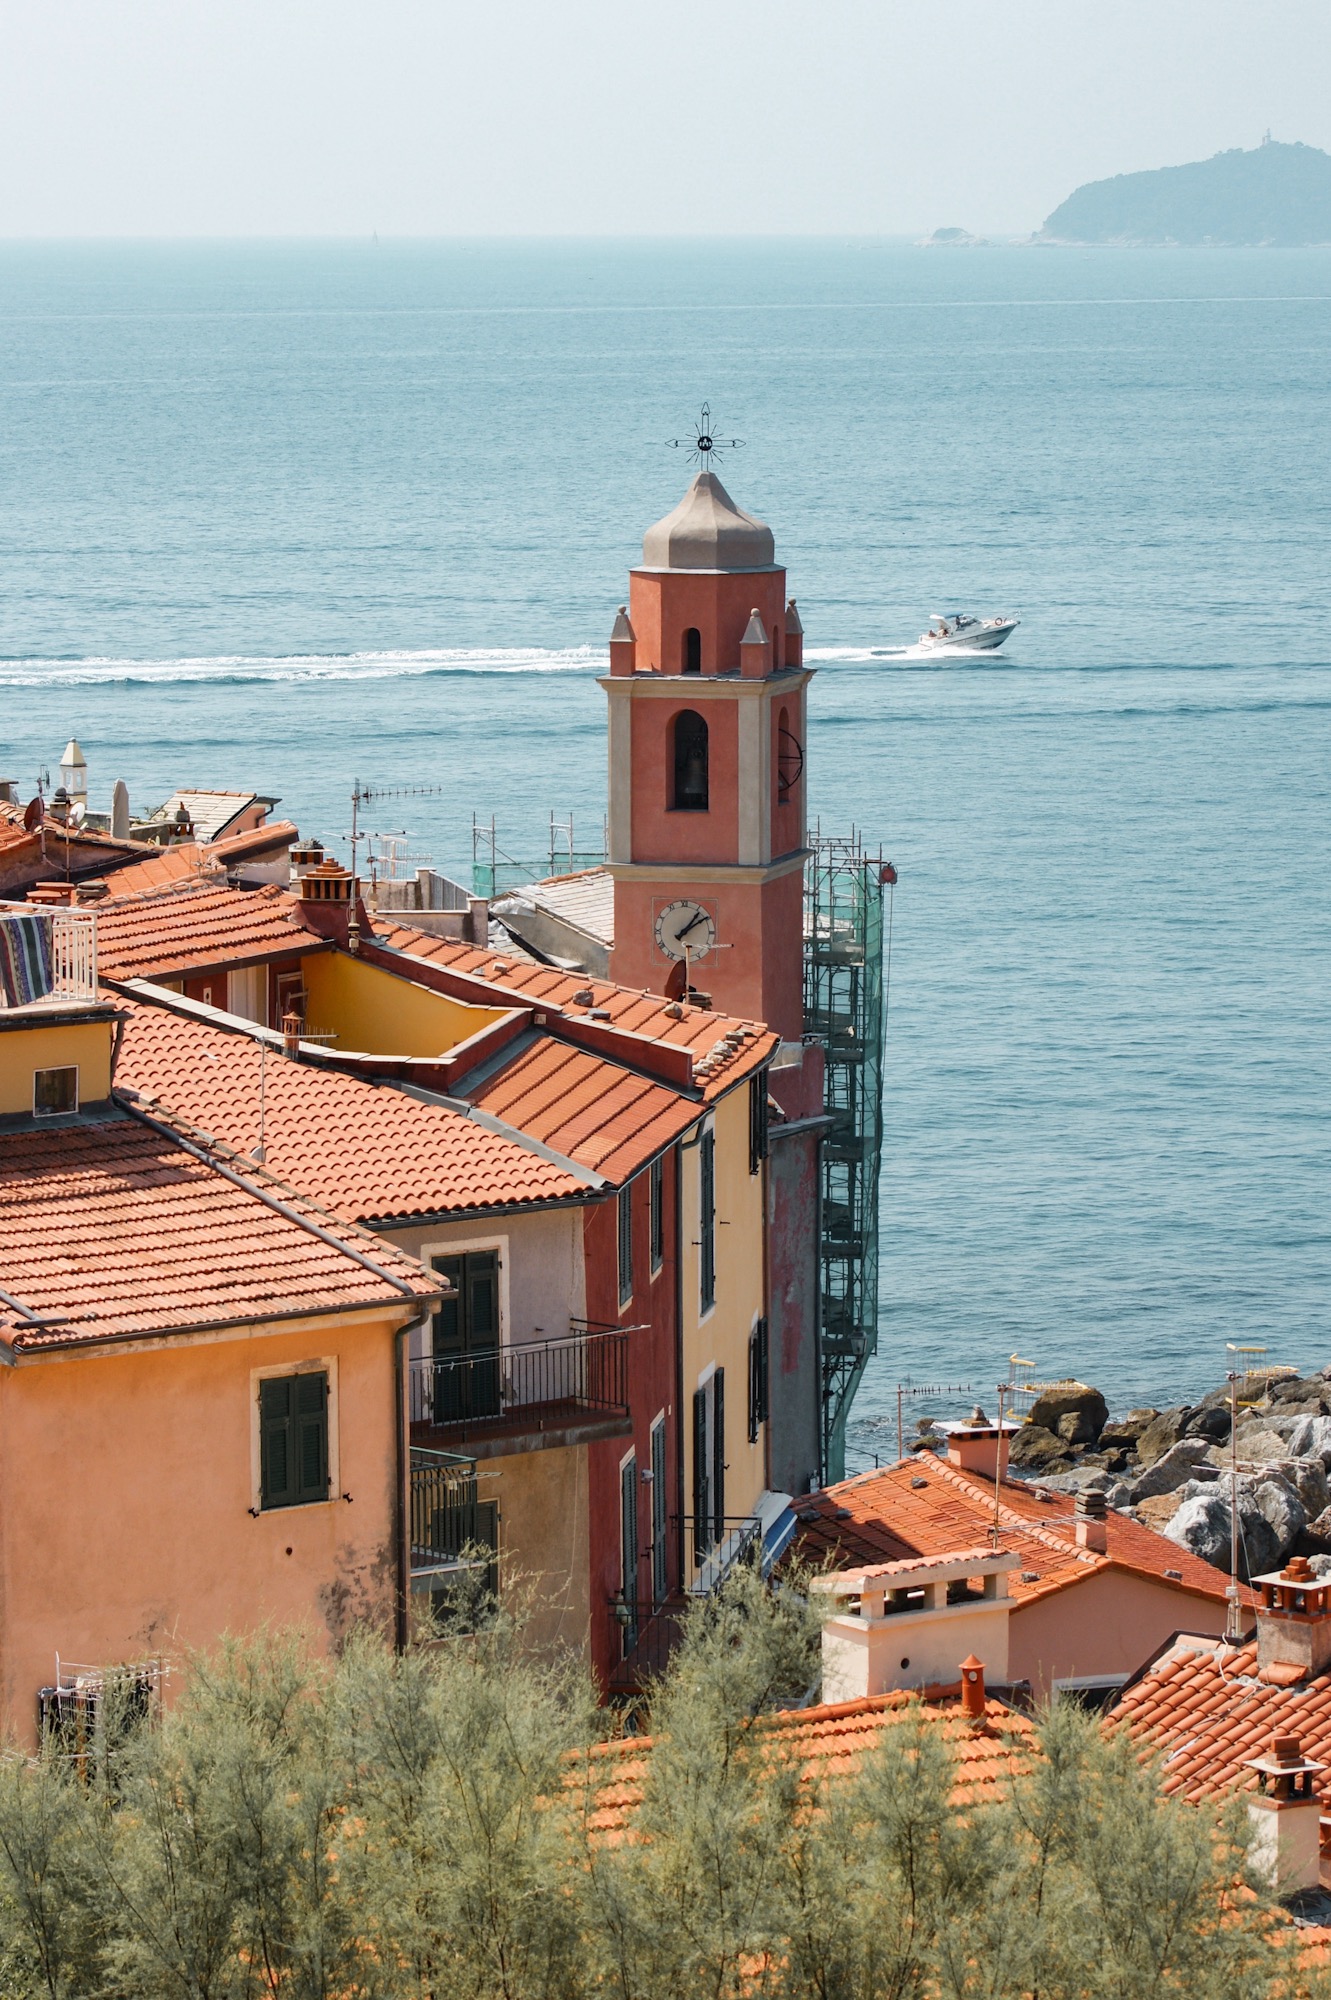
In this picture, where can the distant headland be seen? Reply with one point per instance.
(1277, 195)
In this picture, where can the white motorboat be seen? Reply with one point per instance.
(960, 634)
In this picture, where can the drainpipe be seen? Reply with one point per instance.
(681, 1415)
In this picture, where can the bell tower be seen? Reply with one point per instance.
(707, 782)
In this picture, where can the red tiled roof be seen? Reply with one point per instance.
(366, 1150)
(718, 1063)
(590, 1109)
(194, 926)
(925, 1507)
(161, 868)
(830, 1740)
(114, 1229)
(1205, 1708)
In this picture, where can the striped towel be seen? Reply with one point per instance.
(25, 959)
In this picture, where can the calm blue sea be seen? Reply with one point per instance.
(284, 516)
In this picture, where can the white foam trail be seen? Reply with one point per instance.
(874, 655)
(304, 666)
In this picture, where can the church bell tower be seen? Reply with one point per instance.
(707, 781)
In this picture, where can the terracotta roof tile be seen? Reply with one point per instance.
(592, 1110)
(925, 1507)
(193, 925)
(1204, 1708)
(830, 1740)
(368, 1151)
(115, 1229)
(721, 1053)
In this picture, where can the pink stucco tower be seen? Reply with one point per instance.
(707, 783)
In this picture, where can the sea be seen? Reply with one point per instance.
(298, 516)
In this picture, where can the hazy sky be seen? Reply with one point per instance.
(430, 117)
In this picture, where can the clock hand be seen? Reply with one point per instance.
(691, 925)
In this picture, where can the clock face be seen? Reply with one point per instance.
(685, 927)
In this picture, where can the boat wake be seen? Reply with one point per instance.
(227, 668)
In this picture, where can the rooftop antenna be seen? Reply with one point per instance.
(705, 445)
(905, 1389)
(361, 795)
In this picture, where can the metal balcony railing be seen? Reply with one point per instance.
(449, 1522)
(720, 1546)
(542, 1385)
(48, 957)
(649, 1633)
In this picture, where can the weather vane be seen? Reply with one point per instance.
(704, 445)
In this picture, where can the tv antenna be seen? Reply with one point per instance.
(705, 445)
(363, 795)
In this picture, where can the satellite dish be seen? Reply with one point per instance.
(34, 815)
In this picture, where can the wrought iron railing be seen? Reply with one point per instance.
(649, 1633)
(537, 1386)
(48, 957)
(720, 1546)
(449, 1522)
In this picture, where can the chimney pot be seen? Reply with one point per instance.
(972, 1688)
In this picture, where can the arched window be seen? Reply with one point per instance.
(690, 793)
(692, 650)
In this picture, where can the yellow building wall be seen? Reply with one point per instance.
(85, 1045)
(721, 1337)
(126, 1484)
(379, 1014)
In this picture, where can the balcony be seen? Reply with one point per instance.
(449, 1523)
(48, 957)
(524, 1398)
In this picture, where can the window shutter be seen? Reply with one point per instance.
(656, 1185)
(659, 1511)
(757, 1121)
(753, 1387)
(312, 1435)
(702, 1526)
(719, 1451)
(628, 1529)
(275, 1441)
(625, 1244)
(707, 1219)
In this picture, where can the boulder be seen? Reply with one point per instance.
(1211, 1424)
(1201, 1526)
(1253, 1446)
(1038, 1450)
(1311, 1438)
(1281, 1506)
(1073, 1410)
(1318, 1530)
(1162, 1432)
(1308, 1478)
(1159, 1509)
(1079, 1479)
(1168, 1472)
(1308, 1391)
(1122, 1433)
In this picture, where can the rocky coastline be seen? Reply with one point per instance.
(1171, 1468)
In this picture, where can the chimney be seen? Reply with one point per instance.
(291, 1031)
(1285, 1817)
(972, 1688)
(326, 892)
(1090, 1521)
(623, 644)
(979, 1445)
(1294, 1618)
(902, 1624)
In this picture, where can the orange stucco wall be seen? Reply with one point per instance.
(1108, 1624)
(754, 974)
(126, 1481)
(664, 603)
(660, 833)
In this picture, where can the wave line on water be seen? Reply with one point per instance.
(220, 669)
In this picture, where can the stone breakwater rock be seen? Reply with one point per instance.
(1073, 1411)
(1170, 1468)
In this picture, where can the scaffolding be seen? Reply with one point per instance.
(495, 873)
(844, 1011)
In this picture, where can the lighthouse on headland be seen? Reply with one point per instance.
(707, 830)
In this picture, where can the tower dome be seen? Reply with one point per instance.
(708, 531)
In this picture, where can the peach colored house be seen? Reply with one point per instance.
(1090, 1595)
(202, 1383)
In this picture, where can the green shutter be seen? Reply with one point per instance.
(293, 1439)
